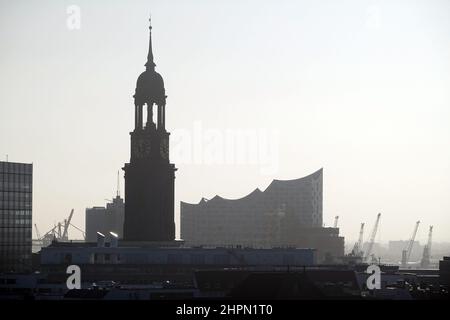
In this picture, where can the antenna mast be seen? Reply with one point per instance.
(118, 184)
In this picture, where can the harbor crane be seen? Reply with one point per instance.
(64, 235)
(425, 263)
(38, 235)
(58, 232)
(336, 219)
(372, 238)
(406, 253)
(51, 232)
(357, 248)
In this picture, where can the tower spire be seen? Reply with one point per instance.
(150, 63)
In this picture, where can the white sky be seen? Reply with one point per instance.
(360, 88)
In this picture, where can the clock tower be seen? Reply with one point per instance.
(149, 176)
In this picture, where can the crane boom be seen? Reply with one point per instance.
(51, 231)
(66, 225)
(37, 232)
(406, 253)
(430, 235)
(411, 241)
(427, 250)
(361, 235)
(372, 237)
(59, 230)
(336, 219)
(357, 249)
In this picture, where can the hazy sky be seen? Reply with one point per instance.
(360, 88)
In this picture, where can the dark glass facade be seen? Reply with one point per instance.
(16, 191)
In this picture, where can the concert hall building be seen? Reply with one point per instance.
(286, 213)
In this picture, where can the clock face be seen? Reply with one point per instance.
(141, 148)
(164, 148)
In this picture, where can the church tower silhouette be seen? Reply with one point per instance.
(149, 176)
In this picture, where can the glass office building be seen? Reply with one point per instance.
(16, 185)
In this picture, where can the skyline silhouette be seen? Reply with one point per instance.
(359, 90)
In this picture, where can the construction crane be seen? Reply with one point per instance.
(64, 235)
(52, 231)
(425, 263)
(372, 238)
(59, 232)
(357, 248)
(406, 253)
(49, 236)
(37, 232)
(336, 219)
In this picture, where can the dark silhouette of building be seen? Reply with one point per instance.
(156, 261)
(287, 213)
(258, 219)
(105, 219)
(444, 271)
(16, 190)
(294, 283)
(149, 177)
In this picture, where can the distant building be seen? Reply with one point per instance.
(287, 213)
(131, 262)
(105, 219)
(444, 271)
(90, 254)
(16, 190)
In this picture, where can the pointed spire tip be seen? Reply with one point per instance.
(150, 63)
